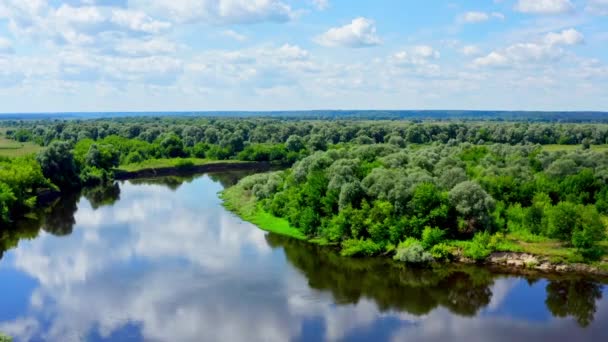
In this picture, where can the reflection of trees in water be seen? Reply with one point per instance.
(577, 298)
(170, 182)
(101, 196)
(463, 290)
(225, 178)
(230, 178)
(57, 218)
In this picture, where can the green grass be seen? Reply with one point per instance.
(5, 338)
(568, 148)
(237, 200)
(12, 148)
(175, 162)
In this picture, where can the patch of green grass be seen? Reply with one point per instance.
(5, 338)
(174, 162)
(12, 148)
(237, 200)
(555, 148)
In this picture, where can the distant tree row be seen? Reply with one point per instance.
(316, 134)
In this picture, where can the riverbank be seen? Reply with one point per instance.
(547, 260)
(189, 168)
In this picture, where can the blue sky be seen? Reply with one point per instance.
(139, 55)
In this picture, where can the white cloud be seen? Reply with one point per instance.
(234, 35)
(361, 32)
(418, 60)
(470, 50)
(548, 49)
(156, 46)
(478, 17)
(492, 59)
(6, 46)
(321, 4)
(138, 21)
(597, 7)
(566, 37)
(544, 6)
(219, 11)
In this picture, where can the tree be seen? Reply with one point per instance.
(172, 146)
(7, 200)
(57, 163)
(473, 205)
(102, 156)
(294, 143)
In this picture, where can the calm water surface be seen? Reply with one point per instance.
(163, 261)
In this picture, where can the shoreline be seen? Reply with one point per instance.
(518, 263)
(218, 166)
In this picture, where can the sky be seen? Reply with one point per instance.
(190, 55)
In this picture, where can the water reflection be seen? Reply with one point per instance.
(162, 260)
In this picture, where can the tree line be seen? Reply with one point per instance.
(366, 185)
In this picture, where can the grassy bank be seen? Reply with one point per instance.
(5, 338)
(168, 163)
(237, 200)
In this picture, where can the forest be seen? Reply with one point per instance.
(420, 191)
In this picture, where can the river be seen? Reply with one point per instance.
(162, 260)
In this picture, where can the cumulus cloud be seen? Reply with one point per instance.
(478, 17)
(417, 60)
(361, 32)
(219, 11)
(470, 50)
(546, 50)
(544, 6)
(565, 37)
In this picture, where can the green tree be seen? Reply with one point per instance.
(473, 205)
(57, 163)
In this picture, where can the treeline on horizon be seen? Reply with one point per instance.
(369, 186)
(441, 115)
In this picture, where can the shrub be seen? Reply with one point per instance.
(359, 248)
(431, 237)
(411, 251)
(479, 247)
(442, 252)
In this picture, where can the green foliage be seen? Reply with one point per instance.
(58, 165)
(360, 248)
(432, 237)
(442, 252)
(5, 338)
(411, 251)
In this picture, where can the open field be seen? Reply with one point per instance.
(11, 148)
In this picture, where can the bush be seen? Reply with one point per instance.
(442, 252)
(431, 237)
(359, 248)
(479, 247)
(411, 251)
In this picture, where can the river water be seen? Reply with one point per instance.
(162, 260)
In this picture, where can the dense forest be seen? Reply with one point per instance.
(415, 190)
